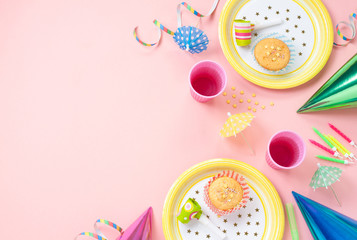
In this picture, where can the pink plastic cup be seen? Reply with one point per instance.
(207, 80)
(286, 150)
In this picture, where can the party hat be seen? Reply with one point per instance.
(325, 223)
(340, 91)
(140, 229)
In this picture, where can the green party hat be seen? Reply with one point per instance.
(340, 91)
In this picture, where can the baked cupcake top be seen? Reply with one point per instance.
(225, 193)
(272, 54)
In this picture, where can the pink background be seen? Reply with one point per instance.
(93, 125)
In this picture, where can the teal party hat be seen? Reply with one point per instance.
(325, 223)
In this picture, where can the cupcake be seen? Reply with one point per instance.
(272, 54)
(226, 193)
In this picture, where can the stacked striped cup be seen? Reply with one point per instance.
(243, 32)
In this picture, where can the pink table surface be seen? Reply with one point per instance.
(94, 125)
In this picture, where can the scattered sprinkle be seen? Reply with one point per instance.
(254, 110)
(241, 100)
(263, 106)
(235, 105)
(271, 104)
(254, 95)
(278, 48)
(228, 101)
(256, 103)
(233, 88)
(266, 46)
(242, 92)
(272, 47)
(248, 100)
(249, 108)
(234, 96)
(224, 94)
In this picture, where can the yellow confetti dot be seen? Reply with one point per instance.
(263, 107)
(272, 47)
(273, 58)
(235, 105)
(266, 46)
(228, 101)
(224, 94)
(241, 100)
(234, 96)
(249, 108)
(271, 104)
(254, 110)
(254, 95)
(242, 92)
(248, 100)
(278, 48)
(233, 88)
(256, 103)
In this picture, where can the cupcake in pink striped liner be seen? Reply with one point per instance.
(226, 192)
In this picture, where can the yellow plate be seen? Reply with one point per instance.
(265, 222)
(306, 27)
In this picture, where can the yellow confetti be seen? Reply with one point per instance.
(256, 103)
(242, 92)
(271, 104)
(234, 96)
(233, 88)
(249, 108)
(254, 95)
(228, 101)
(224, 94)
(263, 106)
(248, 100)
(241, 100)
(235, 105)
(254, 110)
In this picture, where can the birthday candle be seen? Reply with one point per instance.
(340, 149)
(333, 159)
(351, 155)
(336, 154)
(342, 135)
(336, 146)
(325, 140)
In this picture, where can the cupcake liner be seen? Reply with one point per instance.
(281, 37)
(239, 178)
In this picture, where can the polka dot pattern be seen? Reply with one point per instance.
(236, 123)
(325, 176)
